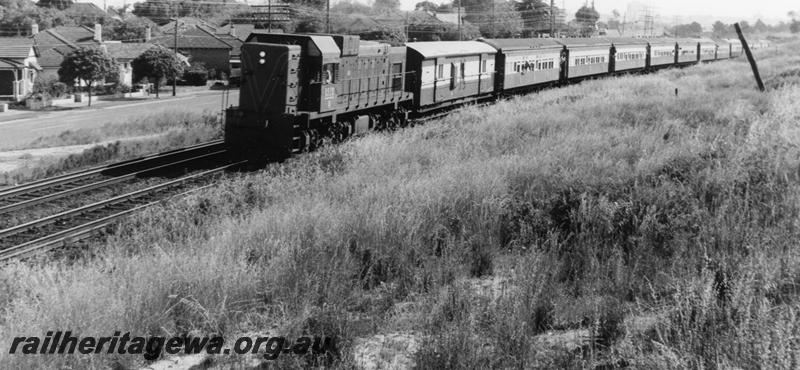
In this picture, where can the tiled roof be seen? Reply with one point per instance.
(193, 39)
(74, 34)
(242, 30)
(52, 58)
(15, 47)
(119, 50)
(186, 23)
(9, 63)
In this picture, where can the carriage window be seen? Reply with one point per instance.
(441, 70)
(329, 73)
(397, 76)
(483, 66)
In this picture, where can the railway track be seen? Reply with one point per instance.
(77, 223)
(49, 189)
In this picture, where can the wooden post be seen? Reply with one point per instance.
(749, 56)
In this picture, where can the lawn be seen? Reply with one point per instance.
(658, 229)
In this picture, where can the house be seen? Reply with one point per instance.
(187, 23)
(18, 67)
(54, 43)
(237, 30)
(124, 54)
(201, 46)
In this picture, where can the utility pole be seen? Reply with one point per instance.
(269, 16)
(328, 17)
(493, 30)
(552, 19)
(459, 20)
(174, 76)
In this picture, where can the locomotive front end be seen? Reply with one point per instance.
(262, 125)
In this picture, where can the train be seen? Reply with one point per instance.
(298, 91)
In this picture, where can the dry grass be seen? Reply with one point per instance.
(140, 136)
(666, 226)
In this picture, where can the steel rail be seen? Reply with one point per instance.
(100, 184)
(75, 176)
(78, 233)
(108, 202)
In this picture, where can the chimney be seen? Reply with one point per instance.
(34, 29)
(148, 34)
(105, 6)
(233, 30)
(98, 32)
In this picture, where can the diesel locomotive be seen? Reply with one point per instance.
(300, 90)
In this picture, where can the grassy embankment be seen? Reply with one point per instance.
(664, 225)
(143, 135)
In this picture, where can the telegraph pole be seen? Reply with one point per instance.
(269, 16)
(328, 17)
(552, 19)
(174, 76)
(459, 20)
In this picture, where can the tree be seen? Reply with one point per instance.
(794, 27)
(503, 21)
(157, 63)
(385, 5)
(58, 4)
(760, 26)
(133, 29)
(87, 65)
(719, 29)
(586, 18)
(426, 6)
(535, 15)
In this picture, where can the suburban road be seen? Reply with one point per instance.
(28, 126)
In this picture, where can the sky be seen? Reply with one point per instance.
(724, 9)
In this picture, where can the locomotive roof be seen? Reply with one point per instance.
(523, 44)
(317, 45)
(433, 49)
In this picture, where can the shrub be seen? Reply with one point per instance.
(49, 84)
(197, 75)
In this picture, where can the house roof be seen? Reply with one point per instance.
(51, 58)
(126, 51)
(15, 47)
(193, 39)
(73, 34)
(242, 30)
(10, 64)
(187, 23)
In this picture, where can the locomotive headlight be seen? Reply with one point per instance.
(261, 61)
(262, 54)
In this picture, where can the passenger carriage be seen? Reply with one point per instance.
(708, 50)
(526, 63)
(662, 53)
(736, 47)
(723, 49)
(628, 54)
(586, 57)
(450, 72)
(688, 51)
